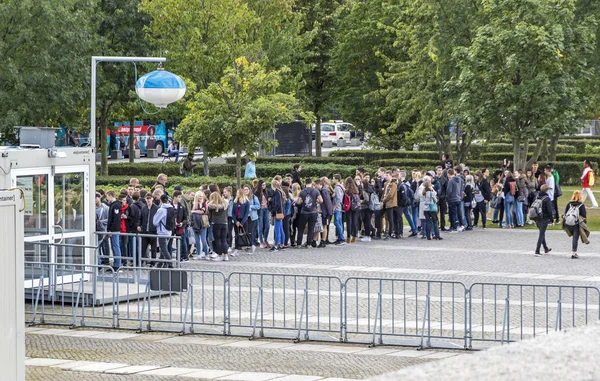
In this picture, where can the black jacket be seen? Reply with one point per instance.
(296, 178)
(486, 190)
(134, 216)
(547, 208)
(147, 217)
(181, 214)
(114, 217)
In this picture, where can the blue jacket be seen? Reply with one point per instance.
(254, 208)
(250, 172)
(244, 211)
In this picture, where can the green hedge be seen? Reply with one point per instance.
(477, 149)
(291, 160)
(498, 157)
(118, 182)
(265, 171)
(369, 156)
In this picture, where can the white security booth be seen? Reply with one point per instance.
(59, 206)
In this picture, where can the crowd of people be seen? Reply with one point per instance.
(220, 223)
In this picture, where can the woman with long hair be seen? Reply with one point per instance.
(510, 192)
(353, 214)
(260, 191)
(296, 189)
(430, 210)
(241, 212)
(575, 214)
(218, 210)
(277, 209)
(199, 210)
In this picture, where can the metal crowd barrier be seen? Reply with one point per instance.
(140, 259)
(423, 313)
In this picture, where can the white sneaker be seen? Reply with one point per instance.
(234, 253)
(461, 228)
(365, 239)
(214, 255)
(200, 257)
(218, 258)
(229, 250)
(253, 249)
(226, 259)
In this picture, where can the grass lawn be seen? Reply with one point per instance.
(593, 215)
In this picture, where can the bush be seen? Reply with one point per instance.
(477, 149)
(560, 157)
(169, 169)
(118, 182)
(268, 171)
(370, 156)
(291, 160)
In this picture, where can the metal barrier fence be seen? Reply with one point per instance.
(133, 256)
(364, 310)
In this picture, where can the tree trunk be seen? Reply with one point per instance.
(552, 149)
(238, 168)
(544, 150)
(205, 163)
(131, 139)
(519, 152)
(535, 156)
(317, 136)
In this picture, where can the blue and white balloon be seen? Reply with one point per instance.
(160, 88)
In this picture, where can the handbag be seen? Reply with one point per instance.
(279, 215)
(432, 205)
(495, 202)
(319, 224)
(242, 238)
(205, 221)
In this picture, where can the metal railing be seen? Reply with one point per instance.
(423, 313)
(137, 257)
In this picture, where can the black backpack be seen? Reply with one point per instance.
(170, 221)
(403, 199)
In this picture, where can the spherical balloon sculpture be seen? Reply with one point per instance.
(160, 88)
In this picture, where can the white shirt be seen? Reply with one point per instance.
(550, 183)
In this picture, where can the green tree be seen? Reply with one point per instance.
(236, 113)
(119, 32)
(522, 75)
(44, 49)
(364, 44)
(201, 38)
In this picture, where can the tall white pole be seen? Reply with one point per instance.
(95, 61)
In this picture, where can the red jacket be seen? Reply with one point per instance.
(123, 226)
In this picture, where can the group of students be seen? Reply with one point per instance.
(220, 223)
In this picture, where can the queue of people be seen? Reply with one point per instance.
(220, 224)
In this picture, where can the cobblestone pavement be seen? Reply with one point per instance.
(495, 256)
(216, 353)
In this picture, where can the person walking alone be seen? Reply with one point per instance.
(588, 180)
(543, 220)
(574, 220)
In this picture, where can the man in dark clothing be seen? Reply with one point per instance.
(148, 212)
(181, 222)
(114, 225)
(296, 174)
(543, 222)
(442, 176)
(453, 195)
(133, 222)
(308, 198)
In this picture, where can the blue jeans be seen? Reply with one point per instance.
(253, 227)
(415, 215)
(339, 226)
(263, 225)
(508, 204)
(201, 243)
(519, 213)
(278, 231)
(174, 153)
(463, 218)
(409, 218)
(453, 212)
(116, 248)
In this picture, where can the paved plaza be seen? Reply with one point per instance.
(478, 257)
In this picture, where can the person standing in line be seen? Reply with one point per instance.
(588, 180)
(390, 202)
(164, 235)
(430, 211)
(241, 212)
(544, 220)
(442, 177)
(338, 198)
(453, 195)
(218, 214)
(365, 211)
(353, 214)
(277, 213)
(102, 213)
(148, 212)
(575, 215)
(308, 199)
(253, 220)
(263, 214)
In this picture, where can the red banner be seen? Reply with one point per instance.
(124, 130)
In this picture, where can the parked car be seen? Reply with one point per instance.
(336, 131)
